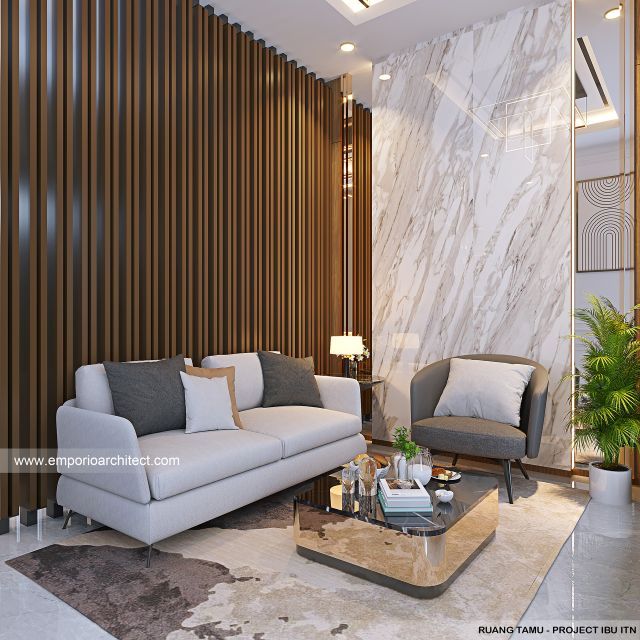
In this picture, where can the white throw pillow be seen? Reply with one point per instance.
(208, 403)
(484, 389)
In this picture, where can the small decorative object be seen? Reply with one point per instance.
(606, 397)
(351, 349)
(444, 495)
(407, 448)
(336, 497)
(420, 466)
(349, 475)
(395, 463)
(367, 470)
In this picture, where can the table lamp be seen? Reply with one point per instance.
(345, 347)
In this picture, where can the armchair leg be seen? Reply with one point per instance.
(149, 550)
(521, 466)
(506, 466)
(455, 460)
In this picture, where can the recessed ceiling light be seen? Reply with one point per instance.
(347, 47)
(614, 13)
(484, 155)
(384, 76)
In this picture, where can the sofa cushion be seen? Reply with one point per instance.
(224, 372)
(484, 389)
(301, 428)
(207, 403)
(473, 436)
(249, 382)
(288, 381)
(205, 457)
(92, 387)
(149, 394)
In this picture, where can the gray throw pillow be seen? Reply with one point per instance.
(288, 381)
(148, 394)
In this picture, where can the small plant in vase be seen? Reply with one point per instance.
(411, 462)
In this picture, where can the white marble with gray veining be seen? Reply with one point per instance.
(472, 254)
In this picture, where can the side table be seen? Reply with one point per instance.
(367, 382)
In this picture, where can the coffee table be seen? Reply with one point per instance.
(418, 555)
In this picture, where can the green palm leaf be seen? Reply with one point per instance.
(606, 393)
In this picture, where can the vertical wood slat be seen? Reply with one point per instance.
(179, 187)
(6, 68)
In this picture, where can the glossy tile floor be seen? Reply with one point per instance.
(596, 577)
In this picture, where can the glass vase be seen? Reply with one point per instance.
(420, 466)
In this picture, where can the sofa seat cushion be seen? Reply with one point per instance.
(472, 436)
(205, 457)
(300, 428)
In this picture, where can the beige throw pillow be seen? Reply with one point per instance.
(223, 372)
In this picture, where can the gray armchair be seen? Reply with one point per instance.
(474, 436)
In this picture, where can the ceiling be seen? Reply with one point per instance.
(310, 31)
(607, 43)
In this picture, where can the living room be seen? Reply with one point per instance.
(318, 318)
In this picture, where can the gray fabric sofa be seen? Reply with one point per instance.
(474, 436)
(219, 470)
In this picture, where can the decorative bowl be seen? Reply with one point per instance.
(380, 473)
(444, 495)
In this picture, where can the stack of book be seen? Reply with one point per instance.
(396, 501)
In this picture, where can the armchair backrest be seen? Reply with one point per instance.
(428, 384)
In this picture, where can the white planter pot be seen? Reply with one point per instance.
(610, 487)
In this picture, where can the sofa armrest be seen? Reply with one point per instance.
(109, 439)
(340, 394)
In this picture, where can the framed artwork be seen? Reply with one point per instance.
(604, 224)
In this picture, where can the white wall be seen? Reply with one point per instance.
(472, 239)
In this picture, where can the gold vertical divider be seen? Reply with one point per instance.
(632, 458)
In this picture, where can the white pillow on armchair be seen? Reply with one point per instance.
(484, 389)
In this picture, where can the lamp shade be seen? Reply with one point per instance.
(346, 345)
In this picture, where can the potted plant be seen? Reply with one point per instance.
(410, 456)
(606, 397)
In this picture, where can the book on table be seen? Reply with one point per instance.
(398, 500)
(403, 508)
(417, 495)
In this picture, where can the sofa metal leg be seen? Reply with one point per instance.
(506, 466)
(67, 518)
(455, 460)
(521, 466)
(149, 549)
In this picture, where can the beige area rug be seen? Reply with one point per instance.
(239, 577)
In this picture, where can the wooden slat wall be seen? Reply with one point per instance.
(166, 187)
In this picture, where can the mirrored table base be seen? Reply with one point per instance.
(419, 566)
